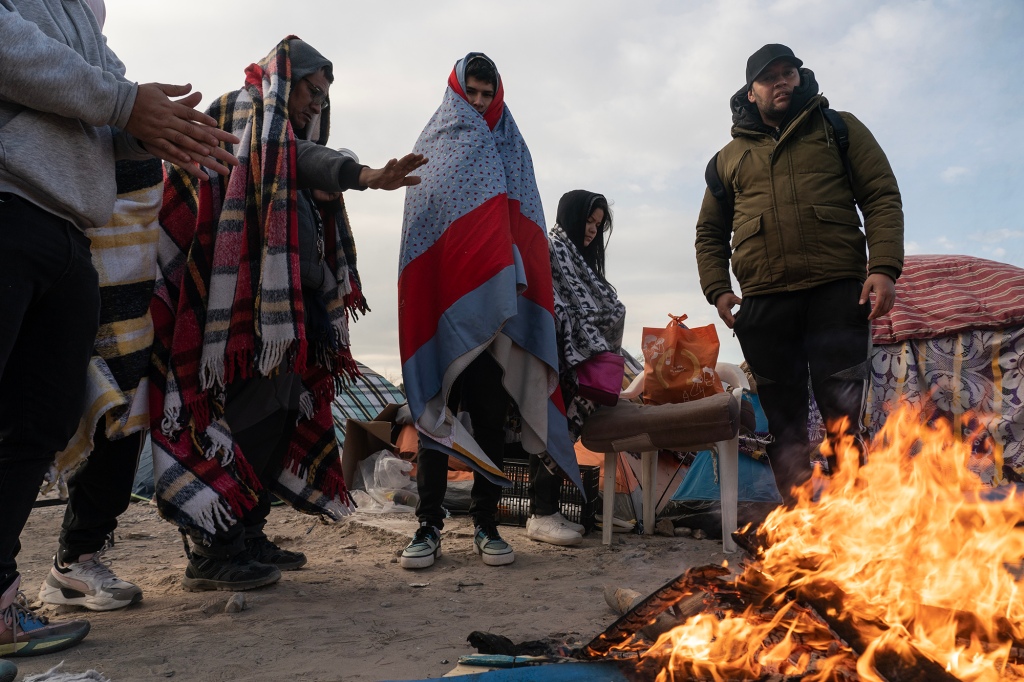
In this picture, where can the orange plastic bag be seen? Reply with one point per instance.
(679, 363)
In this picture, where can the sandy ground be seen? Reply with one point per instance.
(352, 613)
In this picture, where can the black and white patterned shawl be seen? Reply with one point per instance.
(589, 317)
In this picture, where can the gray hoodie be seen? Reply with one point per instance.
(63, 102)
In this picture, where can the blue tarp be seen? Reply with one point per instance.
(757, 483)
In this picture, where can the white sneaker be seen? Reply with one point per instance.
(89, 583)
(548, 529)
(576, 527)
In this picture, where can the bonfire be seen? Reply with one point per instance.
(903, 567)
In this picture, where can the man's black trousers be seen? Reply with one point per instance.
(822, 331)
(49, 313)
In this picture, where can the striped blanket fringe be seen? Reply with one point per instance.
(228, 306)
(124, 255)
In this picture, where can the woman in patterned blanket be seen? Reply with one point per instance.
(589, 320)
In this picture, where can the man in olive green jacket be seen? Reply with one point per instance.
(786, 217)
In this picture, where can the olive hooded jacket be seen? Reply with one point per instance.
(794, 223)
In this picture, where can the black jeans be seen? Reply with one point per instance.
(98, 493)
(825, 331)
(478, 391)
(545, 489)
(49, 313)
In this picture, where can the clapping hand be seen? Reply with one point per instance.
(175, 132)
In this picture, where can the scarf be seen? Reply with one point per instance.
(124, 254)
(589, 316)
(229, 306)
(474, 277)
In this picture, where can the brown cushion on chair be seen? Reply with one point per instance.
(689, 426)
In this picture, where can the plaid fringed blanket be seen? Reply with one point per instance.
(229, 305)
(124, 254)
(474, 276)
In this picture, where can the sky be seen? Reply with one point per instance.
(630, 99)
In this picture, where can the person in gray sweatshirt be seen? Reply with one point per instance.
(66, 113)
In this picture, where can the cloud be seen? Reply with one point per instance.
(954, 173)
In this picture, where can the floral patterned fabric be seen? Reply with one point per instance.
(975, 380)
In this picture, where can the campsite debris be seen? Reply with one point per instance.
(621, 599)
(665, 528)
(419, 584)
(349, 547)
(683, 532)
(236, 603)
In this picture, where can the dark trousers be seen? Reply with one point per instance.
(49, 313)
(265, 445)
(478, 391)
(545, 489)
(98, 493)
(823, 331)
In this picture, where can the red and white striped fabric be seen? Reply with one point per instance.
(940, 295)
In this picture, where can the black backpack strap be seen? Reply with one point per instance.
(841, 132)
(718, 189)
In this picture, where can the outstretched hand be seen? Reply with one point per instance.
(394, 174)
(884, 290)
(725, 303)
(175, 132)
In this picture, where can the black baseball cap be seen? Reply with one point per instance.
(760, 60)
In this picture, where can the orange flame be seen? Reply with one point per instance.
(911, 542)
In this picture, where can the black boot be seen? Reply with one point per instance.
(214, 568)
(262, 550)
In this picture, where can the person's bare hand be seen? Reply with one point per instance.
(725, 303)
(394, 174)
(884, 290)
(174, 131)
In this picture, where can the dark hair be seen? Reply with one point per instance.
(482, 69)
(574, 209)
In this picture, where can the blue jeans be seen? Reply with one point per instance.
(49, 313)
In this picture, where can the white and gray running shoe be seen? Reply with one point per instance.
(89, 582)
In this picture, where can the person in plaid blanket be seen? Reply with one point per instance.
(259, 282)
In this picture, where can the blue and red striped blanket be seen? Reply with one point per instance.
(475, 276)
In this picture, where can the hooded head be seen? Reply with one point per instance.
(311, 78)
(475, 78)
(587, 220)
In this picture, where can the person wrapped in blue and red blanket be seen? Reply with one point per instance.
(475, 312)
(257, 283)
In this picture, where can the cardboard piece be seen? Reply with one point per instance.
(363, 438)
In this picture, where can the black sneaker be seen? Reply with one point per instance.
(239, 572)
(423, 549)
(263, 551)
(491, 547)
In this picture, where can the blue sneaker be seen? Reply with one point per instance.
(424, 548)
(491, 548)
(24, 633)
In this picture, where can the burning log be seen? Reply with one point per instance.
(648, 610)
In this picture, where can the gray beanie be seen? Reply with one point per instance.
(306, 60)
